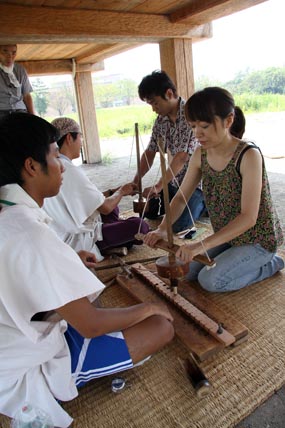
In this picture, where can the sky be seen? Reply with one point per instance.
(251, 39)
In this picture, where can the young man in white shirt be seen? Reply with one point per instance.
(83, 216)
(52, 338)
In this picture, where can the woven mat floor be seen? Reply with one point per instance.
(159, 395)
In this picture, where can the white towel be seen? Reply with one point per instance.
(11, 75)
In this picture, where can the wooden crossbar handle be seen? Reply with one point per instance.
(163, 245)
(207, 323)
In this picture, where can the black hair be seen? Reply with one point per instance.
(62, 139)
(210, 102)
(23, 135)
(156, 84)
(238, 127)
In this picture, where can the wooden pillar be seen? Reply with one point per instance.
(87, 115)
(177, 61)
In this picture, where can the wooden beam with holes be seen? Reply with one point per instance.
(198, 330)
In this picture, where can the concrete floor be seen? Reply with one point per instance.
(120, 170)
(270, 414)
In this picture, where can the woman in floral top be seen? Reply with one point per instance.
(246, 228)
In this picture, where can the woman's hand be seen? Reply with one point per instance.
(186, 252)
(151, 238)
(88, 259)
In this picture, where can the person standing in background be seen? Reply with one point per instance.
(15, 87)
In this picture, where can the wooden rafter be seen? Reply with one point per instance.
(55, 25)
(205, 11)
(59, 67)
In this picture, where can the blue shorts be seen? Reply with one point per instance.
(96, 357)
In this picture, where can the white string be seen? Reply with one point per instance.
(182, 194)
(130, 158)
(189, 211)
(152, 187)
(128, 173)
(150, 190)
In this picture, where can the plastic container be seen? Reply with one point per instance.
(29, 416)
(118, 384)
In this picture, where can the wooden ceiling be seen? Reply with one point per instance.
(88, 31)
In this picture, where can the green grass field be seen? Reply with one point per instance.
(120, 121)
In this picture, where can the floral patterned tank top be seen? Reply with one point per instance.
(222, 192)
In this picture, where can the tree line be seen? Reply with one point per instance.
(268, 81)
(253, 91)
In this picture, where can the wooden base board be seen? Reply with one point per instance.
(197, 340)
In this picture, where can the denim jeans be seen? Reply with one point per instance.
(236, 267)
(196, 205)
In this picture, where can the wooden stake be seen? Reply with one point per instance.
(138, 204)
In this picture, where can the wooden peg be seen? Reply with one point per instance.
(196, 376)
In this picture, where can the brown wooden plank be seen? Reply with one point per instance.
(192, 336)
(176, 59)
(87, 114)
(209, 10)
(80, 26)
(192, 292)
(185, 306)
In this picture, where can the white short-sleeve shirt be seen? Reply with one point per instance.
(39, 273)
(74, 210)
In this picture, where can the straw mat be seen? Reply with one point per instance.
(158, 393)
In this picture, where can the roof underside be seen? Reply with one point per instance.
(89, 31)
